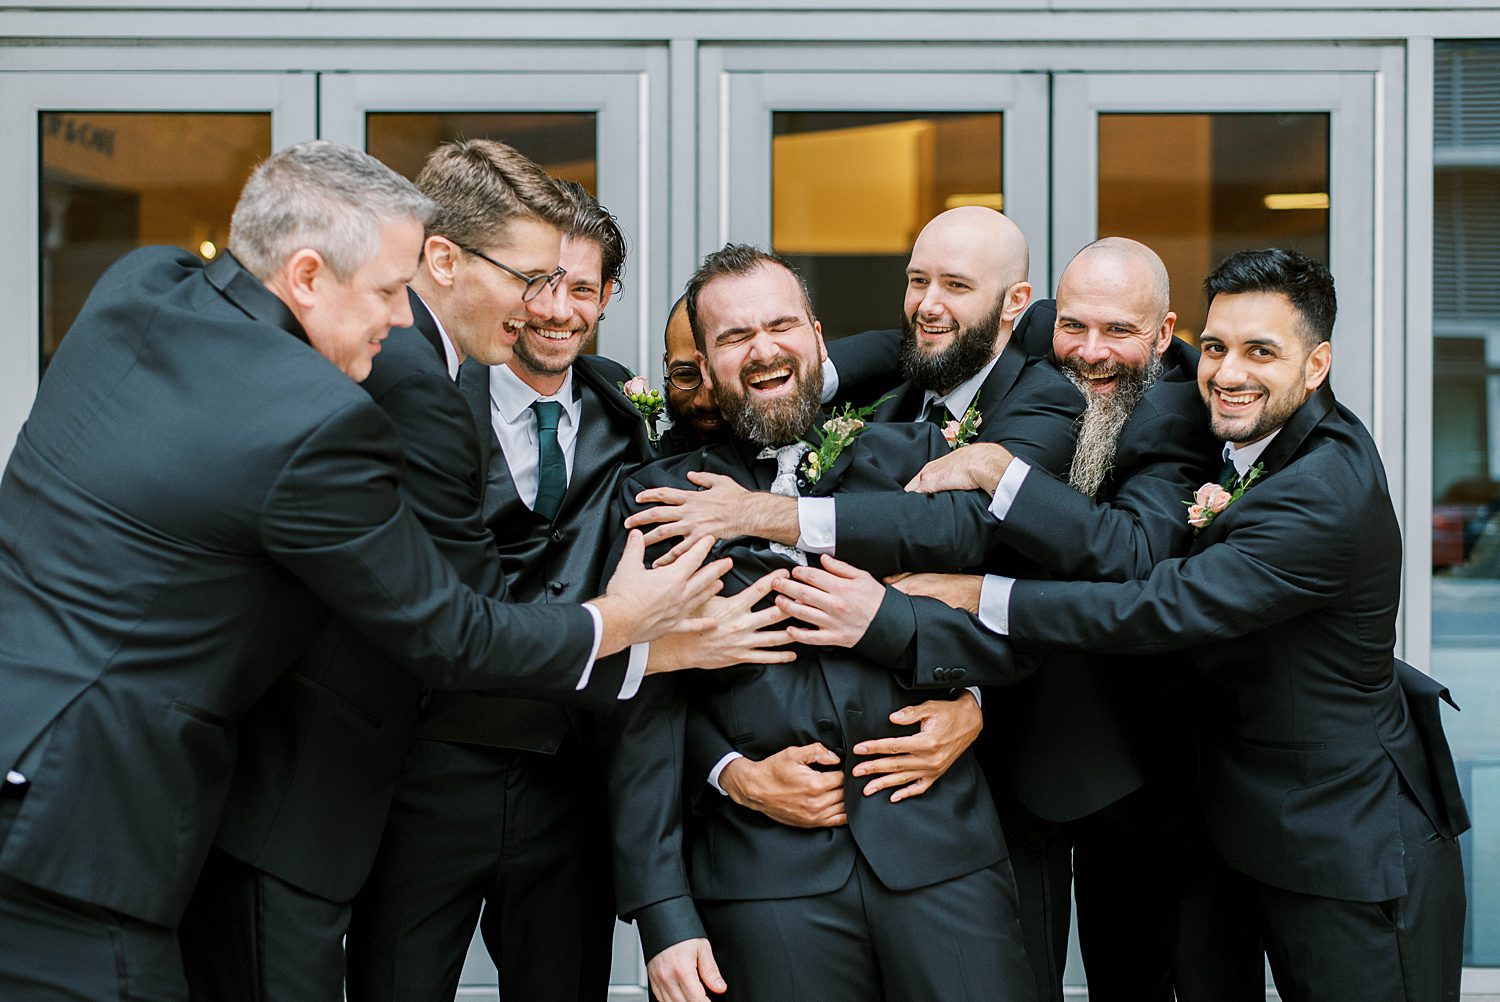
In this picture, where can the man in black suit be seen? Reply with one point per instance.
(321, 752)
(199, 473)
(848, 911)
(1328, 794)
(500, 806)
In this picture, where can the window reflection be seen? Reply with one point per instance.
(1466, 455)
(112, 182)
(851, 190)
(1196, 188)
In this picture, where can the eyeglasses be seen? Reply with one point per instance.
(534, 283)
(684, 377)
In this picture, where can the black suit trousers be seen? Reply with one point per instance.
(958, 940)
(517, 834)
(250, 937)
(57, 949)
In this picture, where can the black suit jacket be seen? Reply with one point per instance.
(558, 561)
(835, 696)
(320, 754)
(1288, 601)
(192, 483)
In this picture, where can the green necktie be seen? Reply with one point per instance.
(938, 414)
(1229, 475)
(551, 468)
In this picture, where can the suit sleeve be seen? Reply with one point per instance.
(890, 531)
(1076, 537)
(644, 745)
(868, 364)
(334, 518)
(930, 645)
(1288, 552)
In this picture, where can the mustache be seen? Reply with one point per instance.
(752, 369)
(1214, 384)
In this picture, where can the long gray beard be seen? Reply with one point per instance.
(1103, 420)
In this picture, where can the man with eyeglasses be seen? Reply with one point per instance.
(320, 754)
(696, 420)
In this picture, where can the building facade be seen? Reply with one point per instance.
(1362, 132)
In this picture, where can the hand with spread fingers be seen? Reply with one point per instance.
(910, 764)
(682, 971)
(838, 601)
(786, 788)
(741, 635)
(961, 591)
(975, 467)
(722, 509)
(640, 605)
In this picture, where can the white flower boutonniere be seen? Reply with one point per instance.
(838, 432)
(648, 402)
(961, 432)
(1211, 499)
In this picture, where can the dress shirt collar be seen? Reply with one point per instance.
(511, 397)
(450, 354)
(958, 399)
(1244, 456)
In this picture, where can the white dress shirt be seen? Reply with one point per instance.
(515, 427)
(450, 353)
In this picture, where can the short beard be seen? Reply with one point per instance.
(778, 422)
(542, 367)
(1104, 417)
(971, 350)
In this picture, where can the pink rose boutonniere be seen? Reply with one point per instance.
(961, 432)
(647, 401)
(1211, 499)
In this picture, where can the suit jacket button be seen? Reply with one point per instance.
(940, 674)
(557, 587)
(557, 535)
(957, 673)
(825, 725)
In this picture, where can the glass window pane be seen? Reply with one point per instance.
(1196, 188)
(112, 182)
(564, 144)
(851, 190)
(1466, 456)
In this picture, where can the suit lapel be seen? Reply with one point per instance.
(901, 404)
(1000, 381)
(426, 325)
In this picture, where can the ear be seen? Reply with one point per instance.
(698, 357)
(1016, 299)
(299, 277)
(1164, 336)
(440, 255)
(605, 294)
(1319, 361)
(818, 333)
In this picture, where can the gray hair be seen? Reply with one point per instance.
(321, 196)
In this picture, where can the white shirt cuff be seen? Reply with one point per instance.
(994, 603)
(1008, 487)
(718, 770)
(817, 525)
(977, 697)
(635, 670)
(588, 669)
(830, 380)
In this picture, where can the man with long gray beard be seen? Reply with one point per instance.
(845, 911)
(1095, 764)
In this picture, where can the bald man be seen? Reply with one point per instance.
(1095, 767)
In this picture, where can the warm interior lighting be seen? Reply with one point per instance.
(1297, 200)
(208, 250)
(988, 199)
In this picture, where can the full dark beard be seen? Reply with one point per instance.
(971, 349)
(1104, 417)
(774, 422)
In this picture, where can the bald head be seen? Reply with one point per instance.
(1120, 268)
(689, 399)
(979, 241)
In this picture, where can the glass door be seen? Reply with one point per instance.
(99, 164)
(839, 171)
(586, 127)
